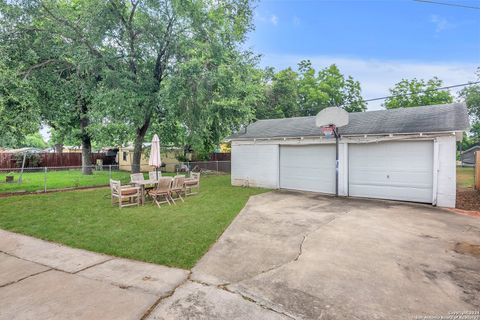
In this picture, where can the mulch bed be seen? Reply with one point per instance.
(468, 199)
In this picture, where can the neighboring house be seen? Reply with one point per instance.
(468, 156)
(72, 149)
(168, 156)
(404, 154)
(22, 150)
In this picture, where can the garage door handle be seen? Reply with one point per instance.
(388, 176)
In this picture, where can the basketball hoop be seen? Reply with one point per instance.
(328, 131)
(328, 120)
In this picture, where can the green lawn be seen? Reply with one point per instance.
(175, 236)
(34, 181)
(465, 177)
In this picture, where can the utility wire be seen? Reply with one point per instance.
(424, 91)
(449, 4)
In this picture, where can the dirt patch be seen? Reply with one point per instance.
(468, 199)
(467, 248)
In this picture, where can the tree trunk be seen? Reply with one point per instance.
(58, 147)
(86, 155)
(138, 146)
(86, 139)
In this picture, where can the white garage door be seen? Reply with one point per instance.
(309, 168)
(392, 170)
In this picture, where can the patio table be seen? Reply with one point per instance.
(142, 185)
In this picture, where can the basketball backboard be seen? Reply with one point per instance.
(332, 116)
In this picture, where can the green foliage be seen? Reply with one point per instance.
(288, 93)
(35, 141)
(471, 96)
(19, 109)
(415, 93)
(329, 88)
(282, 95)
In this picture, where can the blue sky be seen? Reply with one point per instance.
(377, 42)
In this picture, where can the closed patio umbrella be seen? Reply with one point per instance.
(155, 154)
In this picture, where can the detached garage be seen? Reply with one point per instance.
(403, 154)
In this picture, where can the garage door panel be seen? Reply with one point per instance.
(309, 168)
(392, 193)
(392, 170)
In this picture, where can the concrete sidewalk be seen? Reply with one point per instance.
(43, 280)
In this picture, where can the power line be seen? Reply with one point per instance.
(449, 4)
(424, 91)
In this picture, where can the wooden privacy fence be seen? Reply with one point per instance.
(477, 170)
(221, 156)
(14, 160)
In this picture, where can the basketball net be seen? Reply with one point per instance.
(328, 131)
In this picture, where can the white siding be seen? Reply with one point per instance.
(255, 165)
(446, 188)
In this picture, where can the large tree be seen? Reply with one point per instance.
(471, 96)
(305, 92)
(328, 88)
(51, 44)
(153, 41)
(19, 110)
(112, 61)
(415, 92)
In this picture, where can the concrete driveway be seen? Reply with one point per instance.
(286, 256)
(307, 256)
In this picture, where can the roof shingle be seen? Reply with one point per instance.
(435, 118)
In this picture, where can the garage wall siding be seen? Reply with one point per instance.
(255, 165)
(447, 179)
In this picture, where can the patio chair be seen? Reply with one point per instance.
(163, 189)
(178, 187)
(137, 177)
(126, 192)
(152, 175)
(191, 183)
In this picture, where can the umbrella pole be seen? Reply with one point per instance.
(156, 170)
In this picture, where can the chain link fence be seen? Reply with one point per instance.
(45, 179)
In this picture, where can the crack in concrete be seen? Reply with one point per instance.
(14, 256)
(161, 298)
(93, 265)
(247, 298)
(325, 222)
(21, 279)
(300, 247)
(55, 268)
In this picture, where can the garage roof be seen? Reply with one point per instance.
(435, 118)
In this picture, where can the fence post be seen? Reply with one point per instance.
(477, 170)
(110, 171)
(45, 179)
(217, 165)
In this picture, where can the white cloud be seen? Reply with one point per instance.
(274, 19)
(377, 76)
(296, 21)
(440, 23)
(266, 18)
